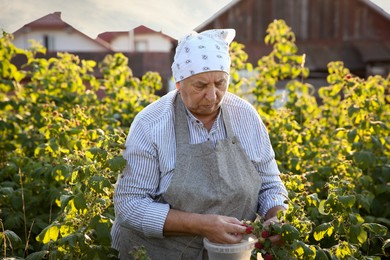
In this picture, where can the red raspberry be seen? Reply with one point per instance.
(267, 256)
(265, 234)
(259, 245)
(249, 229)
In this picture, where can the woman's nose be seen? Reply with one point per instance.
(211, 94)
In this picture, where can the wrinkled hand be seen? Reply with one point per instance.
(222, 229)
(275, 239)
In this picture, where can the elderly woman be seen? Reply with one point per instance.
(199, 160)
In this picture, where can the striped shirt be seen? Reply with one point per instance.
(151, 155)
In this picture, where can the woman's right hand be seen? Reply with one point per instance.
(221, 229)
(216, 228)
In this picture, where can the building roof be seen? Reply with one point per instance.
(217, 14)
(358, 37)
(53, 21)
(111, 35)
(373, 6)
(376, 8)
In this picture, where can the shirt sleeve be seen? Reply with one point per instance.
(136, 190)
(273, 192)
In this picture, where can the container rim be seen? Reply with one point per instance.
(246, 243)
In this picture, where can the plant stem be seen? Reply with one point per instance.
(28, 238)
(4, 238)
(24, 211)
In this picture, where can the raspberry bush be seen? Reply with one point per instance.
(61, 144)
(333, 154)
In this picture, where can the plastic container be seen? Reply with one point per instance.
(240, 251)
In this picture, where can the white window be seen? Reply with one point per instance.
(141, 46)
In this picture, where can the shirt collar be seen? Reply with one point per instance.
(193, 120)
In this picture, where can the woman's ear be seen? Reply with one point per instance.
(178, 85)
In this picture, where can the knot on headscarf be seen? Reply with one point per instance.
(202, 52)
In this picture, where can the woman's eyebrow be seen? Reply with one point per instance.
(221, 80)
(205, 82)
(200, 82)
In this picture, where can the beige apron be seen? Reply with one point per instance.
(208, 179)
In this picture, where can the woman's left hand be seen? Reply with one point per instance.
(277, 238)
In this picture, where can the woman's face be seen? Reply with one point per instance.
(203, 93)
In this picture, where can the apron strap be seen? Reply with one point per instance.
(227, 122)
(181, 123)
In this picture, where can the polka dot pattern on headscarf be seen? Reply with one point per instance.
(202, 52)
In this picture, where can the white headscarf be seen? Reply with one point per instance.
(202, 52)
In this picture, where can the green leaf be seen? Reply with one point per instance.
(50, 233)
(14, 221)
(382, 188)
(357, 234)
(117, 163)
(312, 199)
(385, 246)
(79, 202)
(98, 183)
(12, 237)
(64, 199)
(355, 218)
(365, 201)
(276, 229)
(18, 76)
(377, 144)
(268, 40)
(384, 221)
(289, 232)
(364, 159)
(61, 172)
(343, 249)
(307, 251)
(6, 190)
(376, 228)
(267, 243)
(96, 153)
(352, 135)
(321, 208)
(347, 201)
(74, 131)
(325, 170)
(322, 230)
(37, 255)
(70, 240)
(321, 254)
(103, 233)
(352, 110)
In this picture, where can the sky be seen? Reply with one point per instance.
(173, 17)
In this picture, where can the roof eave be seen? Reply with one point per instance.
(376, 8)
(217, 14)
